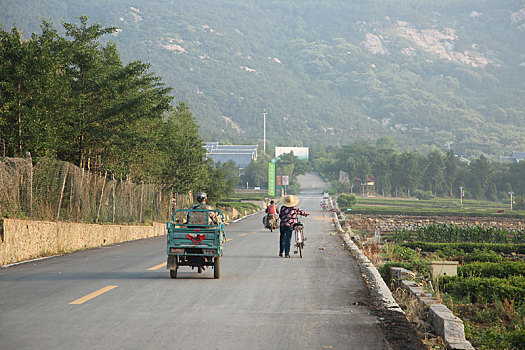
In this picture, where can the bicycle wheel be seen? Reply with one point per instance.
(300, 247)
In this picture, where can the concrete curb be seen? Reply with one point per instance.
(444, 322)
(381, 295)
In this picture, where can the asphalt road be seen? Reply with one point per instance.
(261, 301)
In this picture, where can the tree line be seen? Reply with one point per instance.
(70, 97)
(411, 173)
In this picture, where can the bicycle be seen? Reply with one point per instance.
(299, 238)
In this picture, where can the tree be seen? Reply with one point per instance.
(434, 178)
(184, 167)
(221, 180)
(480, 172)
(386, 143)
(410, 173)
(451, 170)
(88, 70)
(256, 173)
(346, 200)
(291, 165)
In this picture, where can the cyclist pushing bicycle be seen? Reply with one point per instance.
(288, 216)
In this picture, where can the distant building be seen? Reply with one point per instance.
(299, 152)
(515, 158)
(242, 155)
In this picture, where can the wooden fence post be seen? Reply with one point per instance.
(30, 183)
(59, 205)
(101, 196)
(113, 198)
(141, 200)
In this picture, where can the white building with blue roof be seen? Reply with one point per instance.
(242, 155)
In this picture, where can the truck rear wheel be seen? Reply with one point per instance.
(173, 269)
(217, 267)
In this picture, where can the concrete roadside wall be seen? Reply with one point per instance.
(28, 239)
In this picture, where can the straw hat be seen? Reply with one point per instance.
(290, 200)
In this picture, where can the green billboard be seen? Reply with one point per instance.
(271, 179)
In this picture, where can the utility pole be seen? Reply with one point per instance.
(264, 131)
(511, 193)
(461, 195)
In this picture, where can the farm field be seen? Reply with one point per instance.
(488, 293)
(435, 207)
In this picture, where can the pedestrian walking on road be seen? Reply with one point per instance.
(288, 216)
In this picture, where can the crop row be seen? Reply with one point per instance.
(503, 269)
(468, 247)
(485, 289)
(454, 233)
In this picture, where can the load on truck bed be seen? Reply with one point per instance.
(195, 238)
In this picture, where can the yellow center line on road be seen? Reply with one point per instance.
(242, 234)
(92, 295)
(229, 239)
(156, 267)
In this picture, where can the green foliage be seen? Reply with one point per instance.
(400, 236)
(450, 252)
(519, 203)
(454, 233)
(346, 200)
(256, 173)
(239, 206)
(291, 165)
(71, 98)
(423, 195)
(404, 253)
(496, 337)
(411, 174)
(321, 80)
(337, 187)
(502, 269)
(221, 180)
(483, 256)
(485, 289)
(468, 247)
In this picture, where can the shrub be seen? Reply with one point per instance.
(468, 247)
(519, 203)
(455, 233)
(485, 290)
(490, 269)
(424, 195)
(346, 200)
(483, 256)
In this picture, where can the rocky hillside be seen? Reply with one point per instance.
(443, 73)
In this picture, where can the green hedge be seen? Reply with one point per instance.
(239, 206)
(468, 247)
(453, 233)
(490, 269)
(485, 289)
(483, 256)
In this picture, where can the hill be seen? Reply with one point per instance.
(327, 72)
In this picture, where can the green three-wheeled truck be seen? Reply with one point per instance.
(195, 238)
